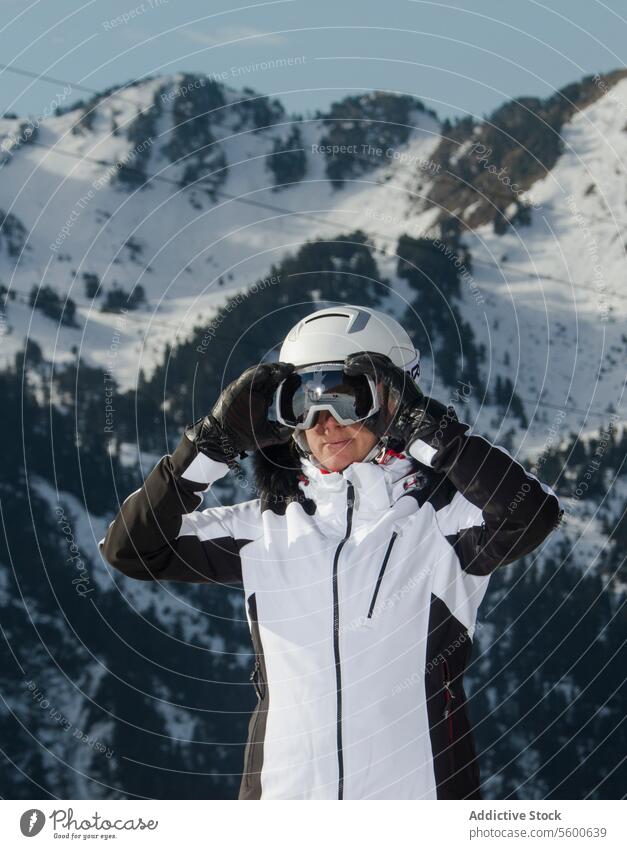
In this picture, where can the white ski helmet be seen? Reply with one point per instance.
(330, 335)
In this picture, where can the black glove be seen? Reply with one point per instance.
(405, 413)
(239, 420)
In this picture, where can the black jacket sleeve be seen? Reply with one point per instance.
(153, 537)
(515, 511)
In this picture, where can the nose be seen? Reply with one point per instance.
(326, 421)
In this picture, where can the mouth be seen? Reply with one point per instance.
(339, 444)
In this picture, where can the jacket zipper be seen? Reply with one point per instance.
(336, 641)
(257, 680)
(381, 572)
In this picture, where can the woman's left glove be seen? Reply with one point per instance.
(239, 420)
(406, 414)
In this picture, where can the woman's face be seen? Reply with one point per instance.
(336, 446)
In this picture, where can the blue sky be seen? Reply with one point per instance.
(467, 56)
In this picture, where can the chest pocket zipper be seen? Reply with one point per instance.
(253, 757)
(447, 717)
(255, 677)
(381, 573)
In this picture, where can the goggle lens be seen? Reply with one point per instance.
(350, 399)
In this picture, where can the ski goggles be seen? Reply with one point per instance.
(311, 389)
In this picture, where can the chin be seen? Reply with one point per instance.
(337, 463)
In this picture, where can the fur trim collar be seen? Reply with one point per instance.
(277, 469)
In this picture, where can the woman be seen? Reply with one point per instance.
(363, 561)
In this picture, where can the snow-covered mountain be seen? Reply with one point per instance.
(163, 228)
(539, 295)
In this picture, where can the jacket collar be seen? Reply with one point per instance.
(376, 484)
(282, 476)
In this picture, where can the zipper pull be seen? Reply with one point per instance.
(450, 697)
(254, 677)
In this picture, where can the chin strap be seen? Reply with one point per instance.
(376, 453)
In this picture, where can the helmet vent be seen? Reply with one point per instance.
(360, 321)
(357, 321)
(326, 315)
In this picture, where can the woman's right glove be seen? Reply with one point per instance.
(239, 420)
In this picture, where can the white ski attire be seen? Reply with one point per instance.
(361, 591)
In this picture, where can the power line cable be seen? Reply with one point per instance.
(544, 276)
(116, 91)
(262, 205)
(290, 212)
(249, 201)
(255, 348)
(78, 86)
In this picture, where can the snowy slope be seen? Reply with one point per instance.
(559, 294)
(184, 250)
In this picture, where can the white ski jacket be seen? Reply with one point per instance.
(361, 591)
